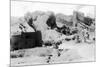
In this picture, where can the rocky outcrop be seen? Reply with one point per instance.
(53, 28)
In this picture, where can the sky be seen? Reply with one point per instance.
(19, 8)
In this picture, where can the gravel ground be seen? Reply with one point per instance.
(47, 55)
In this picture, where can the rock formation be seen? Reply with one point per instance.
(53, 28)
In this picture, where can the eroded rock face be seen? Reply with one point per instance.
(42, 22)
(39, 20)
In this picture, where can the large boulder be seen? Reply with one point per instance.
(41, 21)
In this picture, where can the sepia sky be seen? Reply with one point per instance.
(19, 8)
